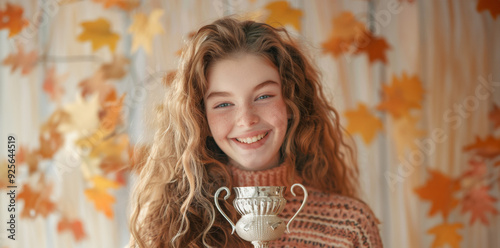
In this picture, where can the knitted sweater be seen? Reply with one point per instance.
(327, 220)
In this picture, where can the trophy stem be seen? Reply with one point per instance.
(260, 244)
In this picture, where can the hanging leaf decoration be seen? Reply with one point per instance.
(123, 4)
(375, 47)
(402, 95)
(52, 85)
(144, 28)
(99, 195)
(281, 14)
(75, 227)
(12, 19)
(478, 202)
(346, 32)
(446, 234)
(440, 191)
(362, 121)
(99, 34)
(36, 202)
(24, 61)
(487, 148)
(494, 116)
(493, 6)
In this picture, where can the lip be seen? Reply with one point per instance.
(254, 145)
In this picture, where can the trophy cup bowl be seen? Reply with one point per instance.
(259, 207)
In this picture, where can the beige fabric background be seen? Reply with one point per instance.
(448, 44)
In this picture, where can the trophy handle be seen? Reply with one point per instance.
(301, 206)
(216, 199)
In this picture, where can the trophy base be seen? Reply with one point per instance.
(260, 244)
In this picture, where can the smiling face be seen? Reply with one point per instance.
(245, 110)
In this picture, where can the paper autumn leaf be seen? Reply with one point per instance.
(439, 190)
(477, 169)
(116, 69)
(123, 4)
(36, 201)
(446, 234)
(282, 14)
(50, 138)
(402, 95)
(493, 6)
(110, 116)
(96, 84)
(478, 202)
(405, 132)
(52, 85)
(24, 61)
(12, 19)
(494, 116)
(75, 227)
(346, 31)
(144, 28)
(99, 195)
(32, 160)
(99, 33)
(362, 121)
(83, 115)
(375, 48)
(487, 148)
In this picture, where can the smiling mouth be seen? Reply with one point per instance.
(253, 139)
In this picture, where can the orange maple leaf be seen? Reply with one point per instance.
(21, 60)
(32, 159)
(110, 115)
(479, 202)
(36, 202)
(439, 190)
(402, 95)
(75, 227)
(282, 13)
(375, 48)
(494, 116)
(493, 6)
(99, 195)
(405, 131)
(123, 4)
(50, 138)
(446, 234)
(99, 33)
(346, 31)
(12, 18)
(52, 85)
(362, 121)
(487, 148)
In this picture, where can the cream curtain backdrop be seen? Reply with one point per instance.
(449, 45)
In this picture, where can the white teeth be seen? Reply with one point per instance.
(251, 140)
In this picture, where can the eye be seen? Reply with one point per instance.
(222, 105)
(263, 97)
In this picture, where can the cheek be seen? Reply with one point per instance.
(278, 114)
(218, 125)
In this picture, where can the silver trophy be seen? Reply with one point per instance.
(259, 207)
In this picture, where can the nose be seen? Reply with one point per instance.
(247, 117)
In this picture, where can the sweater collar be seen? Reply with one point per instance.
(277, 176)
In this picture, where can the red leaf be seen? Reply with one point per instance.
(493, 6)
(479, 202)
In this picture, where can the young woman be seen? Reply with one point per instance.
(246, 108)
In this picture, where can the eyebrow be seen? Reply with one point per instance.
(224, 93)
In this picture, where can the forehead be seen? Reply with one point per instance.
(239, 71)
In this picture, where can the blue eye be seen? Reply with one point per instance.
(222, 105)
(263, 97)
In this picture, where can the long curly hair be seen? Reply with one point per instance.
(172, 202)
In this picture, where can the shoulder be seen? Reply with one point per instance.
(344, 219)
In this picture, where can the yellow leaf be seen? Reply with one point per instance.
(99, 33)
(144, 28)
(282, 14)
(347, 27)
(100, 197)
(405, 132)
(83, 115)
(362, 121)
(446, 234)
